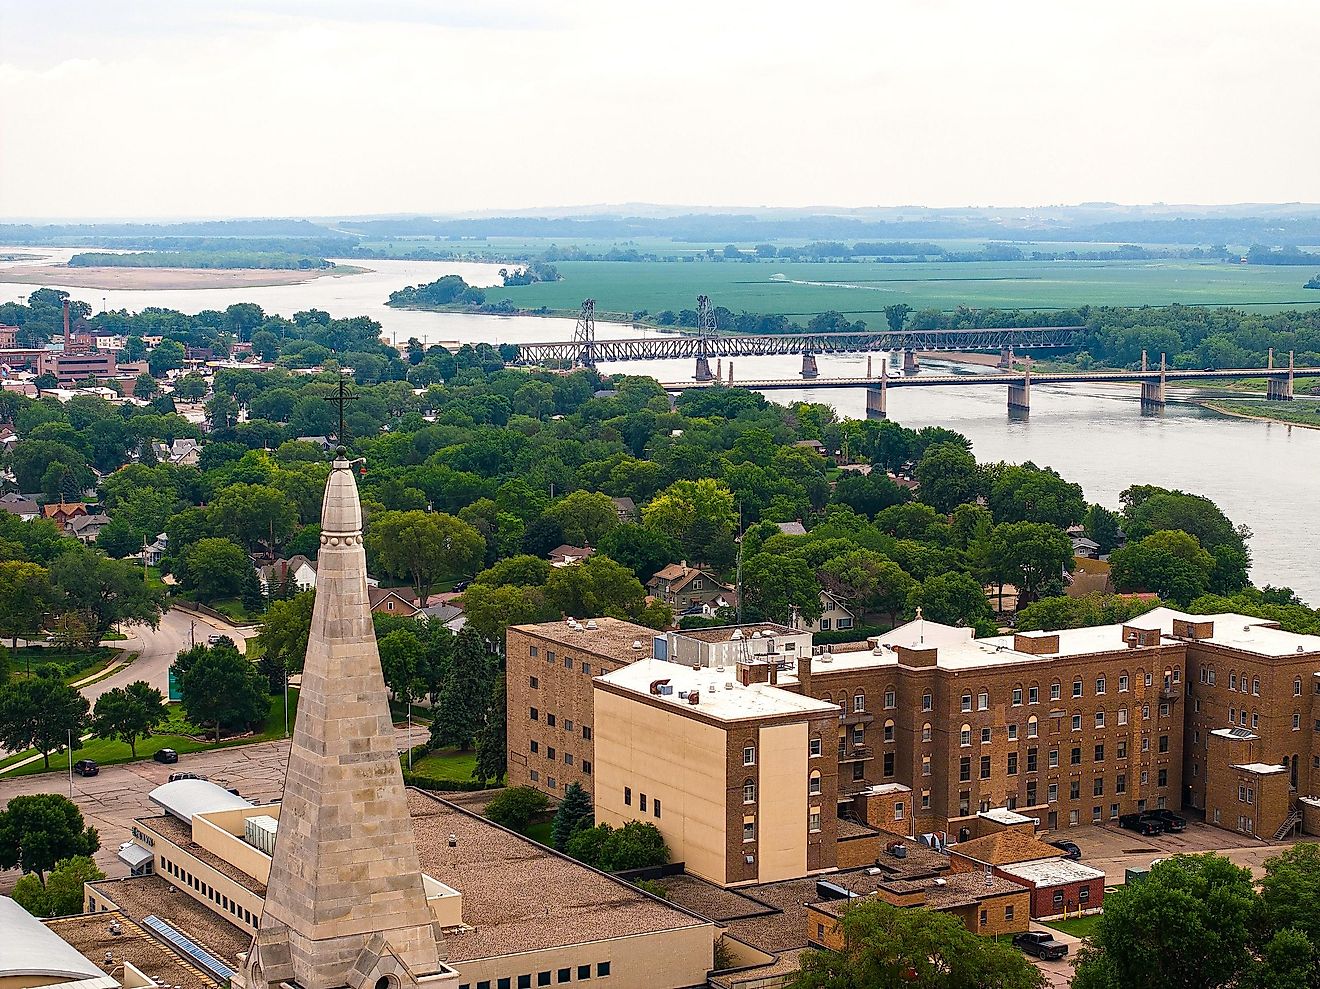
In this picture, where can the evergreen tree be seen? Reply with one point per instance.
(463, 697)
(574, 814)
(492, 744)
(254, 601)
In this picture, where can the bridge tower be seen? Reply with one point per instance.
(1152, 392)
(584, 335)
(706, 335)
(1019, 393)
(877, 396)
(1279, 388)
(809, 369)
(910, 365)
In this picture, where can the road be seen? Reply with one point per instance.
(156, 649)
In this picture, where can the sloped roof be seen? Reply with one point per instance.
(29, 948)
(1006, 847)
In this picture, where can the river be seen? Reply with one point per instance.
(1263, 475)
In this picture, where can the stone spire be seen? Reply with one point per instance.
(345, 902)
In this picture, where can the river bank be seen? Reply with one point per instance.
(1242, 410)
(166, 279)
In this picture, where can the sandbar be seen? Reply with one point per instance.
(149, 279)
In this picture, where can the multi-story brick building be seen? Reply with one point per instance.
(934, 726)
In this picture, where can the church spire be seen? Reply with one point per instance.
(345, 902)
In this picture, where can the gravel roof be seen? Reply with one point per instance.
(90, 934)
(141, 896)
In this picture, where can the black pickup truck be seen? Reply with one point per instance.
(1141, 823)
(1168, 820)
(1041, 945)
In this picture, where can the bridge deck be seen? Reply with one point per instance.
(1006, 378)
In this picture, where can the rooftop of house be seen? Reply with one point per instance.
(720, 695)
(80, 522)
(521, 896)
(945, 892)
(792, 528)
(1004, 847)
(91, 935)
(1051, 872)
(567, 552)
(611, 638)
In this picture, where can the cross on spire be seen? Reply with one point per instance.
(340, 397)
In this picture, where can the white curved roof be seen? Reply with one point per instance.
(28, 947)
(184, 798)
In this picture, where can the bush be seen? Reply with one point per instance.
(858, 633)
(636, 845)
(516, 806)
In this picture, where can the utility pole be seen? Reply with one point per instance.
(70, 731)
(286, 699)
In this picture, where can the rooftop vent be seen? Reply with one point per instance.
(591, 625)
(728, 684)
(941, 882)
(453, 840)
(694, 697)
(637, 643)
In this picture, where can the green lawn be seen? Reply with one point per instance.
(175, 734)
(1077, 926)
(539, 832)
(76, 665)
(444, 764)
(862, 289)
(1303, 413)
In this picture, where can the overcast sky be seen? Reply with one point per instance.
(157, 108)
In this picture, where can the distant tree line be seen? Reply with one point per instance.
(198, 259)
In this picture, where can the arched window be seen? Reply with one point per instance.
(1123, 681)
(966, 702)
(926, 732)
(965, 735)
(927, 702)
(1232, 680)
(813, 783)
(749, 791)
(1032, 727)
(889, 730)
(1100, 718)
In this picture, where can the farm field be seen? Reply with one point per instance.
(800, 290)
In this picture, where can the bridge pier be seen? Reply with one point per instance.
(877, 396)
(1006, 359)
(719, 370)
(1152, 396)
(730, 372)
(703, 369)
(1019, 393)
(809, 369)
(1280, 389)
(910, 365)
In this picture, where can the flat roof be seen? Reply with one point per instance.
(184, 798)
(1261, 768)
(725, 633)
(720, 694)
(30, 948)
(521, 896)
(90, 934)
(1051, 872)
(612, 638)
(144, 896)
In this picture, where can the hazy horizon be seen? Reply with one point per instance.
(261, 108)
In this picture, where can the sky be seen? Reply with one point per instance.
(195, 108)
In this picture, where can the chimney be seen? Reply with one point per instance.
(774, 670)
(66, 324)
(804, 673)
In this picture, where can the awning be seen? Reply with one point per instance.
(135, 856)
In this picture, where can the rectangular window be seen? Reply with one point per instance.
(1031, 760)
(1033, 695)
(586, 669)
(1077, 722)
(1017, 696)
(985, 767)
(1164, 743)
(534, 682)
(586, 767)
(925, 765)
(1031, 793)
(1098, 787)
(985, 735)
(568, 726)
(655, 807)
(859, 771)
(641, 802)
(889, 764)
(1099, 685)
(749, 830)
(1095, 815)
(927, 732)
(964, 769)
(1077, 688)
(843, 623)
(1163, 778)
(1123, 684)
(926, 702)
(627, 796)
(965, 736)
(1012, 763)
(550, 720)
(550, 782)
(549, 655)
(1075, 757)
(1122, 749)
(859, 703)
(535, 651)
(586, 732)
(1297, 722)
(1084, 894)
(564, 975)
(925, 800)
(966, 702)
(602, 969)
(824, 624)
(536, 746)
(583, 972)
(568, 758)
(1054, 759)
(813, 822)
(568, 662)
(1008, 913)
(550, 752)
(1099, 753)
(1052, 793)
(1055, 692)
(891, 699)
(982, 701)
(542, 978)
(535, 775)
(1012, 733)
(534, 714)
(1120, 785)
(749, 755)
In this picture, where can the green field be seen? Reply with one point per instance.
(862, 289)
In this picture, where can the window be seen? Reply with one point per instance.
(1074, 789)
(1033, 727)
(1232, 680)
(536, 746)
(859, 771)
(583, 972)
(586, 669)
(889, 764)
(966, 702)
(985, 767)
(1099, 719)
(641, 802)
(586, 767)
(815, 748)
(568, 726)
(602, 969)
(925, 800)
(627, 796)
(926, 701)
(925, 765)
(889, 731)
(824, 624)
(749, 830)
(586, 732)
(1297, 687)
(1099, 753)
(534, 682)
(749, 755)
(1075, 757)
(1084, 894)
(1297, 722)
(899, 810)
(542, 978)
(1017, 696)
(1145, 712)
(1031, 793)
(1054, 759)
(564, 975)
(1122, 715)
(1052, 793)
(655, 807)
(1147, 679)
(1033, 695)
(859, 702)
(813, 784)
(1212, 676)
(1031, 759)
(926, 732)
(1145, 743)
(1008, 913)
(965, 735)
(568, 758)
(1255, 720)
(813, 821)
(1162, 779)
(1255, 686)
(1120, 784)
(1012, 733)
(964, 769)
(1077, 722)
(1077, 687)
(1099, 685)
(983, 701)
(549, 655)
(1122, 683)
(535, 775)
(1232, 715)
(550, 752)
(550, 782)
(534, 714)
(749, 791)
(550, 720)
(535, 651)
(891, 698)
(1164, 743)
(1095, 815)
(1098, 787)
(1012, 763)
(859, 735)
(843, 623)
(985, 735)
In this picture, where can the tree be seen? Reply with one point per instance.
(167, 356)
(490, 611)
(463, 698)
(572, 815)
(1053, 613)
(888, 947)
(869, 581)
(1026, 493)
(38, 831)
(584, 517)
(515, 806)
(948, 476)
(424, 546)
(284, 631)
(896, 315)
(144, 386)
(636, 845)
(953, 599)
(1035, 554)
(128, 713)
(63, 894)
(642, 550)
(1290, 891)
(775, 588)
(109, 591)
(596, 586)
(253, 514)
(1186, 925)
(696, 513)
(42, 713)
(868, 495)
(1169, 563)
(1102, 525)
(492, 744)
(401, 659)
(25, 596)
(214, 568)
(221, 687)
(190, 387)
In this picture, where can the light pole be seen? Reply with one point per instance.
(286, 700)
(70, 731)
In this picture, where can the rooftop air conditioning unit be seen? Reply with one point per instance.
(874, 871)
(637, 643)
(591, 625)
(749, 859)
(728, 685)
(826, 658)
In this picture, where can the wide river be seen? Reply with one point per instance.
(1263, 475)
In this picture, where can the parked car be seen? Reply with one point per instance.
(86, 767)
(1141, 823)
(1041, 945)
(166, 756)
(213, 638)
(1070, 849)
(1168, 820)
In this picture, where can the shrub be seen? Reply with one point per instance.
(516, 806)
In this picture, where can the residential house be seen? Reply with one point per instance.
(814, 445)
(626, 509)
(155, 551)
(185, 452)
(835, 615)
(792, 528)
(390, 601)
(322, 441)
(565, 555)
(85, 528)
(1058, 885)
(449, 615)
(63, 512)
(686, 588)
(1085, 546)
(298, 569)
(16, 504)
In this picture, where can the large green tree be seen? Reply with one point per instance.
(465, 695)
(1035, 555)
(597, 586)
(424, 546)
(584, 517)
(109, 591)
(572, 815)
(25, 598)
(1026, 493)
(40, 830)
(775, 588)
(492, 744)
(1169, 563)
(128, 713)
(214, 568)
(948, 476)
(221, 687)
(43, 713)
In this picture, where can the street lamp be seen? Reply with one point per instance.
(70, 732)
